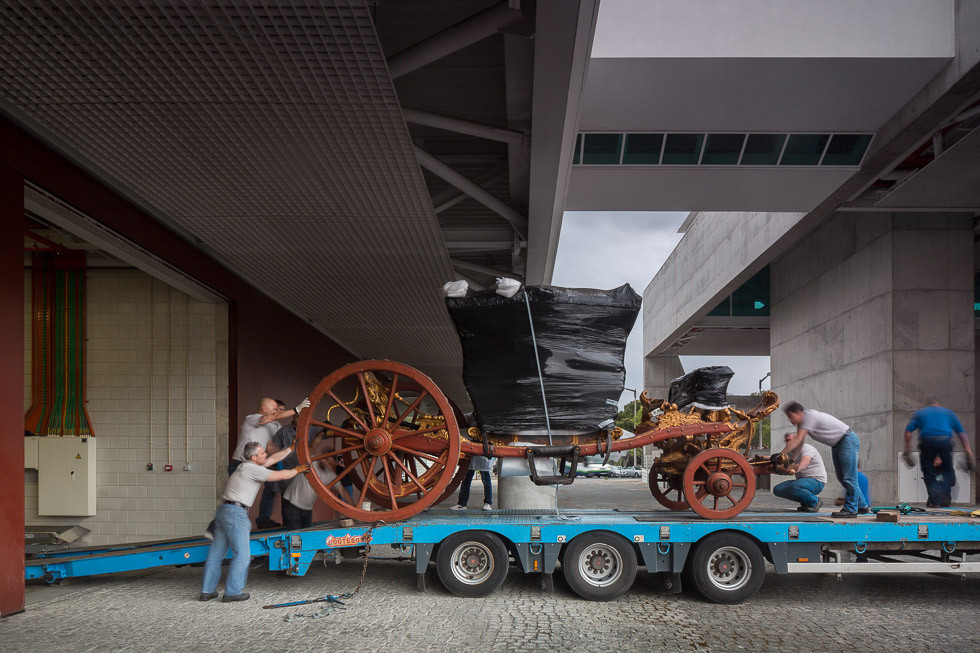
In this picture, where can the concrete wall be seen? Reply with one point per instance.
(871, 317)
(156, 393)
(717, 254)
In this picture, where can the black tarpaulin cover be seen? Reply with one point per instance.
(705, 387)
(581, 335)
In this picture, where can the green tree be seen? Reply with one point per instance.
(626, 419)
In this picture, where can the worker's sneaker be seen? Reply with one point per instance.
(207, 596)
(814, 508)
(487, 507)
(237, 597)
(458, 508)
(843, 514)
(864, 511)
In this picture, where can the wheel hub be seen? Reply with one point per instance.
(377, 442)
(598, 564)
(719, 484)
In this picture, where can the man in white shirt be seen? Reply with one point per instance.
(299, 497)
(811, 476)
(232, 524)
(260, 427)
(845, 447)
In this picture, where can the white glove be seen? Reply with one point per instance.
(455, 289)
(908, 458)
(303, 404)
(507, 287)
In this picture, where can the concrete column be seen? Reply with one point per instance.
(658, 372)
(872, 316)
(520, 492)
(11, 392)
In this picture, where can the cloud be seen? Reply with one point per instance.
(605, 249)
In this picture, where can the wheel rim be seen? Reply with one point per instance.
(398, 456)
(663, 485)
(721, 481)
(729, 568)
(600, 565)
(472, 563)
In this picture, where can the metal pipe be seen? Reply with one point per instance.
(480, 194)
(464, 33)
(461, 126)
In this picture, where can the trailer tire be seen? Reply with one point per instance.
(472, 563)
(726, 567)
(599, 566)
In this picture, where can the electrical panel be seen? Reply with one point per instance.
(66, 476)
(30, 451)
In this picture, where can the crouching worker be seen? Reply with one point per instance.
(811, 477)
(299, 497)
(232, 524)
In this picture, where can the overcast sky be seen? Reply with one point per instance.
(607, 249)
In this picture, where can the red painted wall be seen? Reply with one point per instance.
(271, 351)
(11, 392)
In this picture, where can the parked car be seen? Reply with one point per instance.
(630, 472)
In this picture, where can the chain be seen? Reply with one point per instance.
(367, 551)
(330, 607)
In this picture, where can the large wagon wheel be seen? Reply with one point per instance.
(383, 441)
(721, 481)
(667, 488)
(405, 490)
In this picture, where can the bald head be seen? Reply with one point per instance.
(268, 406)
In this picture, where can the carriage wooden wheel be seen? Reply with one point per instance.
(399, 437)
(721, 482)
(667, 487)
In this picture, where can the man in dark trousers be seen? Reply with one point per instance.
(936, 426)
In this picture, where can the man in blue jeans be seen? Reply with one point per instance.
(936, 426)
(811, 476)
(232, 524)
(484, 466)
(844, 444)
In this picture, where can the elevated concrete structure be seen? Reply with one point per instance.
(872, 317)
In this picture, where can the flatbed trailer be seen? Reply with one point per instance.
(597, 551)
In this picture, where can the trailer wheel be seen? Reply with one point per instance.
(599, 566)
(727, 567)
(472, 563)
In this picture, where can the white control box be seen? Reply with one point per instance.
(66, 476)
(912, 489)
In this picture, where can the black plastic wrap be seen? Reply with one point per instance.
(581, 335)
(705, 387)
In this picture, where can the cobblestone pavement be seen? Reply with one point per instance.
(159, 611)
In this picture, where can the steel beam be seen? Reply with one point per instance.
(466, 32)
(480, 194)
(477, 245)
(450, 198)
(483, 269)
(460, 126)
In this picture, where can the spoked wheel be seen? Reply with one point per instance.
(399, 438)
(721, 481)
(668, 488)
